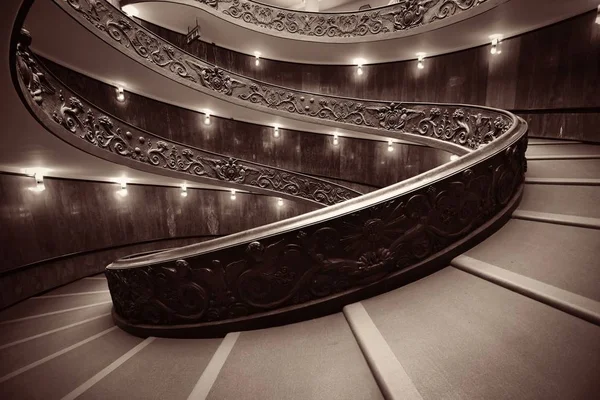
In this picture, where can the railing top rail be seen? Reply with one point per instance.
(384, 20)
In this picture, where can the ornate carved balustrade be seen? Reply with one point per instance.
(410, 121)
(374, 24)
(80, 123)
(320, 261)
(315, 263)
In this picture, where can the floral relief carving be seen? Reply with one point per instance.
(332, 256)
(403, 15)
(97, 129)
(300, 265)
(461, 126)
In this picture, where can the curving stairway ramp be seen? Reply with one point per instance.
(517, 316)
(306, 266)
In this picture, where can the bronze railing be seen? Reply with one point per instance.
(79, 122)
(417, 122)
(322, 259)
(374, 24)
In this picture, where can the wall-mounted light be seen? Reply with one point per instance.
(359, 64)
(454, 157)
(390, 145)
(39, 182)
(120, 94)
(279, 202)
(276, 131)
(232, 194)
(257, 58)
(206, 117)
(184, 191)
(335, 139)
(421, 60)
(598, 16)
(123, 191)
(496, 41)
(38, 175)
(130, 10)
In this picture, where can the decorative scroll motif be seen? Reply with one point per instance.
(321, 260)
(459, 125)
(404, 15)
(90, 125)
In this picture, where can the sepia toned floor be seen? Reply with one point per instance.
(516, 317)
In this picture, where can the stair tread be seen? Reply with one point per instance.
(586, 169)
(25, 353)
(459, 336)
(57, 377)
(559, 255)
(562, 199)
(316, 359)
(80, 286)
(170, 369)
(567, 149)
(33, 307)
(23, 329)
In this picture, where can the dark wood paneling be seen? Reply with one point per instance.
(364, 162)
(554, 67)
(559, 66)
(575, 126)
(75, 216)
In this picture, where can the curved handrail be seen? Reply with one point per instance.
(91, 129)
(335, 252)
(382, 118)
(324, 257)
(380, 23)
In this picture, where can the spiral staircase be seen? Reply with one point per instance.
(504, 305)
(515, 317)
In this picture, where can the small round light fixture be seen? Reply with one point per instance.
(232, 194)
(39, 183)
(276, 131)
(390, 145)
(496, 42)
(279, 202)
(359, 65)
(184, 191)
(120, 94)
(207, 117)
(454, 157)
(335, 139)
(257, 58)
(421, 60)
(123, 191)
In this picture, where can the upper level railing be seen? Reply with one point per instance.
(80, 123)
(459, 126)
(373, 24)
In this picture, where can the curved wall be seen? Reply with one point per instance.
(72, 217)
(550, 77)
(360, 164)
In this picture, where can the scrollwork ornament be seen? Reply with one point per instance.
(406, 14)
(106, 133)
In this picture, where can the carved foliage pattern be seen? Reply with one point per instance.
(403, 15)
(469, 128)
(118, 138)
(320, 260)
